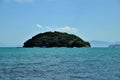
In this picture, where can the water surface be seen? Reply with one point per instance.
(59, 63)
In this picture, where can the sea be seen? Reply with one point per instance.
(59, 63)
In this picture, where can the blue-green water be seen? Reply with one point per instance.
(59, 63)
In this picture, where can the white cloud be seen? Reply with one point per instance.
(67, 29)
(39, 26)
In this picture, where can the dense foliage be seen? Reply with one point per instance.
(55, 39)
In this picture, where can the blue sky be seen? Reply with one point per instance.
(89, 19)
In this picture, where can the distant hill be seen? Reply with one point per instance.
(95, 43)
(114, 46)
(56, 39)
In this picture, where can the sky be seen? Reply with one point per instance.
(89, 19)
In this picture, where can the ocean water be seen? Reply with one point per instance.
(59, 63)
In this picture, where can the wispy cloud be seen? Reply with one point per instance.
(68, 29)
(39, 26)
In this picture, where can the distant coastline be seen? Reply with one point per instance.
(114, 46)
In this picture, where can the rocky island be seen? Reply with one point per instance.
(55, 39)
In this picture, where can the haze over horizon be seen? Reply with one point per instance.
(88, 19)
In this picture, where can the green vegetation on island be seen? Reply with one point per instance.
(56, 39)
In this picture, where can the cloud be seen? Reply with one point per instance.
(39, 26)
(68, 29)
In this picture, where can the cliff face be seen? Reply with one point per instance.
(56, 39)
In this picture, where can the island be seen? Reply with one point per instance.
(55, 39)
